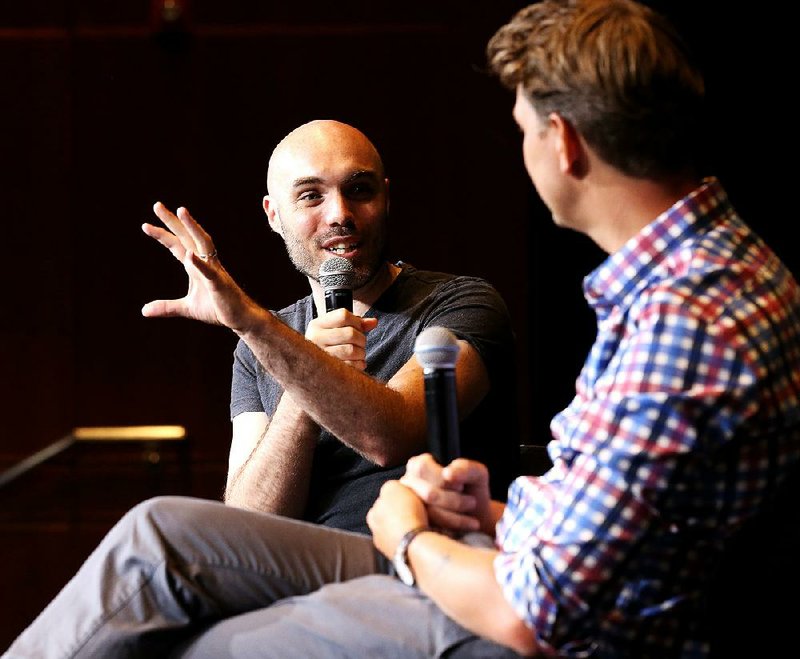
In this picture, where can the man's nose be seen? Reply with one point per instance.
(337, 210)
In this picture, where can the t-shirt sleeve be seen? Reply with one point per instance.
(474, 311)
(245, 396)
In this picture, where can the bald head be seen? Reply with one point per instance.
(328, 194)
(311, 146)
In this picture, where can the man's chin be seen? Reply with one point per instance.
(366, 269)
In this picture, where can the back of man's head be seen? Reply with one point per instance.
(617, 71)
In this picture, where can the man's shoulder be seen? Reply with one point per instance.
(298, 314)
(434, 278)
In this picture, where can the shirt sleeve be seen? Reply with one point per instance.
(474, 311)
(622, 520)
(245, 396)
(252, 388)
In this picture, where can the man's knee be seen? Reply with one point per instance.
(150, 524)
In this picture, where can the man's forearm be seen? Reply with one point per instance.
(276, 475)
(383, 424)
(461, 580)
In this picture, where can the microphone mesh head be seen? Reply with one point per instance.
(436, 347)
(336, 272)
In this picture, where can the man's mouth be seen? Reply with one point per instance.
(341, 248)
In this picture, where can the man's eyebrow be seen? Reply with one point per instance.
(316, 180)
(306, 180)
(362, 173)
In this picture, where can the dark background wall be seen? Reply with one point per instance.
(108, 107)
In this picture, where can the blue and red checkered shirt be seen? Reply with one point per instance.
(685, 419)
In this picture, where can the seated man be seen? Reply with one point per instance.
(307, 442)
(684, 425)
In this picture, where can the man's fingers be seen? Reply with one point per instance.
(463, 472)
(424, 466)
(346, 353)
(325, 333)
(163, 308)
(453, 521)
(190, 234)
(439, 496)
(368, 324)
(421, 487)
(166, 238)
(202, 242)
(170, 221)
(341, 336)
(339, 318)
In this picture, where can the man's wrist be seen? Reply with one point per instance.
(400, 562)
(253, 321)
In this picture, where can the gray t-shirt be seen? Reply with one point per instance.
(344, 484)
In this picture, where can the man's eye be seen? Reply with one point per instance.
(361, 191)
(309, 195)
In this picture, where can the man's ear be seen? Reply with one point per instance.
(386, 183)
(271, 209)
(571, 156)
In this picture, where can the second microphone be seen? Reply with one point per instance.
(436, 350)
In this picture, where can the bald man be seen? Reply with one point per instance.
(326, 407)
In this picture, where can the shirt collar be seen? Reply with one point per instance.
(619, 275)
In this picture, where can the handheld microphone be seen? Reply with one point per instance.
(436, 349)
(337, 277)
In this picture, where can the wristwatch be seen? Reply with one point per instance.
(400, 558)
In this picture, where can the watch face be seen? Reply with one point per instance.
(400, 558)
(404, 572)
(400, 563)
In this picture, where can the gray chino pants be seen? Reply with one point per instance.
(191, 578)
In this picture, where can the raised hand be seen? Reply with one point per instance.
(213, 296)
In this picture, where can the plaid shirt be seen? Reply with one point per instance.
(685, 419)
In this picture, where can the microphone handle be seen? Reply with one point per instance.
(442, 414)
(338, 298)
